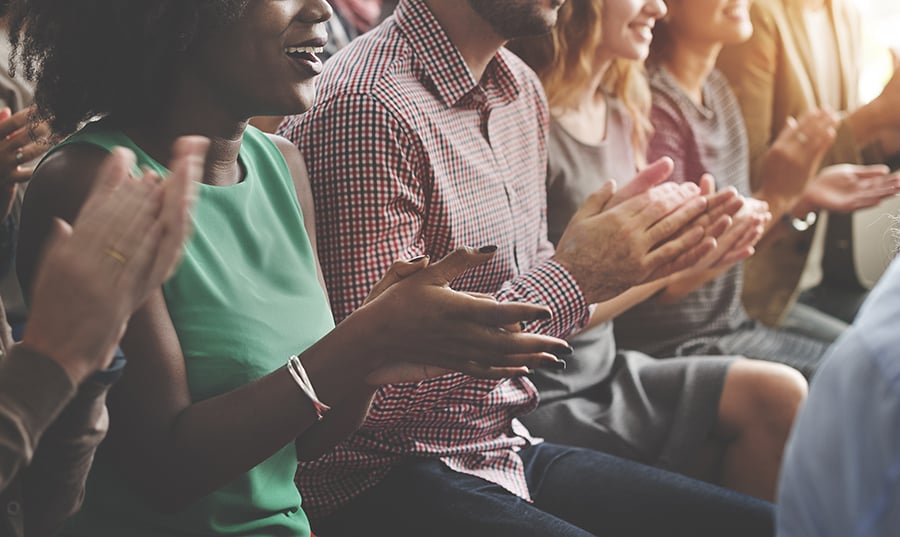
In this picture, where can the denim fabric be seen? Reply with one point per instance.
(577, 493)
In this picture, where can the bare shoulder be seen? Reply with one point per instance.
(62, 182)
(296, 165)
(58, 189)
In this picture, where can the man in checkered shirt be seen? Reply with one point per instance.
(428, 136)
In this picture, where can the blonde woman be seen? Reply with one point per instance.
(723, 418)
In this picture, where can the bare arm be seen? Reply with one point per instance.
(180, 442)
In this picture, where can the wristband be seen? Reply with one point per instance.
(295, 368)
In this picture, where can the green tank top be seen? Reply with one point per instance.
(245, 297)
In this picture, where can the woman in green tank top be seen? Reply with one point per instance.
(207, 422)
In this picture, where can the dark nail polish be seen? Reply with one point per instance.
(563, 351)
(417, 259)
(559, 365)
(487, 249)
(544, 315)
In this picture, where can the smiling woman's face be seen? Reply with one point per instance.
(265, 62)
(628, 27)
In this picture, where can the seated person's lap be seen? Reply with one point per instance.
(576, 492)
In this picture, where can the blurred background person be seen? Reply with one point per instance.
(840, 474)
(806, 54)
(723, 418)
(18, 147)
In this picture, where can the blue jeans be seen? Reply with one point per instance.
(576, 492)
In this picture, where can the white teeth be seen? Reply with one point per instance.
(301, 50)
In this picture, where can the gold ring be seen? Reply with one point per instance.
(20, 156)
(115, 254)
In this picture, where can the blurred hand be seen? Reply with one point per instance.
(795, 156)
(419, 328)
(126, 241)
(845, 188)
(18, 145)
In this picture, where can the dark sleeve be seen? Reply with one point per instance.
(33, 391)
(54, 483)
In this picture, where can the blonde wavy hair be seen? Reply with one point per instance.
(564, 59)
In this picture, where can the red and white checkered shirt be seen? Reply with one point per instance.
(408, 154)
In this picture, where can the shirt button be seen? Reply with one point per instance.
(13, 508)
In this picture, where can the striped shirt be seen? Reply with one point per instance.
(700, 138)
(411, 155)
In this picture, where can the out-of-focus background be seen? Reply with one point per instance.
(874, 243)
(882, 30)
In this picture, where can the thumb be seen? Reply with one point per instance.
(5, 113)
(457, 262)
(396, 272)
(115, 168)
(707, 184)
(60, 231)
(597, 202)
(649, 177)
(871, 171)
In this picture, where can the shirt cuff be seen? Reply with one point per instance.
(552, 285)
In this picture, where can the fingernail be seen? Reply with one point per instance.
(487, 249)
(563, 350)
(543, 315)
(553, 365)
(417, 259)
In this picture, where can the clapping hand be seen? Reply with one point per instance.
(125, 243)
(844, 188)
(421, 328)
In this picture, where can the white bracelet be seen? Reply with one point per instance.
(295, 368)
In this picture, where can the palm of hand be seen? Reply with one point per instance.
(845, 187)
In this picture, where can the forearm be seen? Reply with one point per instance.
(212, 442)
(338, 424)
(866, 123)
(54, 483)
(610, 309)
(33, 391)
(681, 285)
(551, 285)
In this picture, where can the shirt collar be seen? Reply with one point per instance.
(444, 65)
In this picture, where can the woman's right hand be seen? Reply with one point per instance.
(126, 241)
(419, 328)
(794, 158)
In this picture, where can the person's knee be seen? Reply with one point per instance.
(760, 394)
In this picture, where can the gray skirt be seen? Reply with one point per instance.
(659, 412)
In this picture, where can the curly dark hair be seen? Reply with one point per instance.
(93, 58)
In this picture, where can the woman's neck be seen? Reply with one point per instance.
(188, 114)
(690, 64)
(585, 117)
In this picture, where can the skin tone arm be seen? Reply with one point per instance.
(180, 441)
(82, 299)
